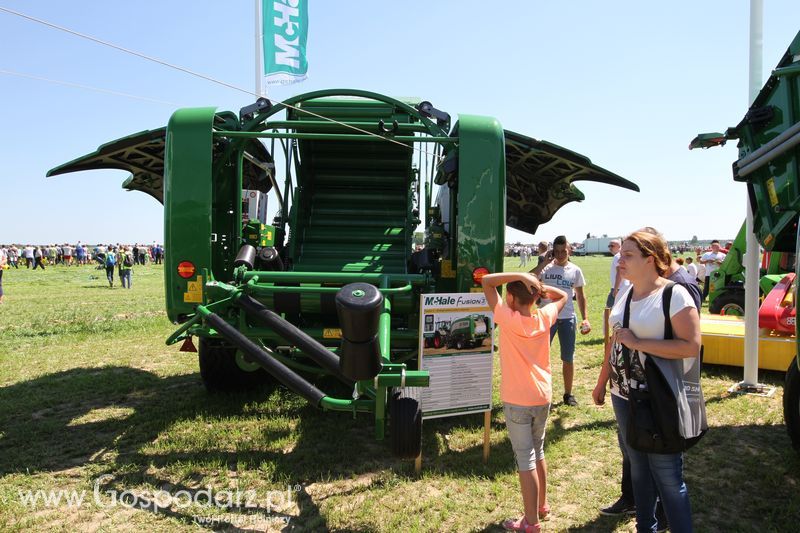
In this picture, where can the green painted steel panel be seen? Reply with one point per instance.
(774, 187)
(481, 206)
(187, 204)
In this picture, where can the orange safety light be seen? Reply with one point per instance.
(186, 269)
(478, 273)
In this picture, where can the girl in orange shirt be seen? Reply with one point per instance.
(525, 381)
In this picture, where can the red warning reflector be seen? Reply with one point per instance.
(478, 273)
(186, 269)
(187, 346)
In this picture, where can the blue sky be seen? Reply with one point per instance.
(625, 83)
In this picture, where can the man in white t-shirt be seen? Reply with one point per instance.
(691, 268)
(557, 271)
(711, 260)
(617, 282)
(27, 255)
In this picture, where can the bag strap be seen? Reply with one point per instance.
(626, 319)
(666, 296)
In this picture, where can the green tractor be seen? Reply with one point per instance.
(331, 286)
(435, 335)
(769, 163)
(726, 292)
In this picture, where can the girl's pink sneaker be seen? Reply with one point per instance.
(544, 512)
(521, 524)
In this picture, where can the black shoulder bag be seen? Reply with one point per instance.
(654, 420)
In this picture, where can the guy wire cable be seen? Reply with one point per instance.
(197, 74)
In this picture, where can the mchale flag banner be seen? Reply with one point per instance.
(284, 30)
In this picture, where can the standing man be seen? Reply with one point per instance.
(541, 252)
(80, 254)
(617, 281)
(126, 262)
(110, 261)
(711, 260)
(27, 255)
(557, 271)
(13, 256)
(52, 255)
(66, 249)
(523, 256)
(691, 268)
(701, 268)
(3, 266)
(38, 255)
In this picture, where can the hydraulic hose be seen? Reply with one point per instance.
(286, 376)
(316, 351)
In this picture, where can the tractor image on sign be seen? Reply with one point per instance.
(435, 335)
(331, 286)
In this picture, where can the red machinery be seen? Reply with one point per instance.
(778, 310)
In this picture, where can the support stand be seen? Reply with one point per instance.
(758, 389)
(487, 431)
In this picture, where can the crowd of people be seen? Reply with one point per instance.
(111, 257)
(654, 303)
(39, 256)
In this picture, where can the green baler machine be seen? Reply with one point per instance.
(331, 286)
(769, 163)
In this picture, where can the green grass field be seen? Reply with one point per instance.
(90, 397)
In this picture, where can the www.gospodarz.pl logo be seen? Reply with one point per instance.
(207, 497)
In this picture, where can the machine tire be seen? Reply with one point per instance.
(459, 344)
(219, 371)
(791, 403)
(728, 302)
(437, 341)
(405, 419)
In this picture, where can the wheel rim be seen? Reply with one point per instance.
(732, 310)
(437, 342)
(244, 364)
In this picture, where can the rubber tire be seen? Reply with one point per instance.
(437, 341)
(219, 371)
(405, 419)
(460, 344)
(727, 298)
(791, 403)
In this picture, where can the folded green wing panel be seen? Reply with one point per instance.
(142, 154)
(539, 180)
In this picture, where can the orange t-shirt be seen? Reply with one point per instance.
(525, 377)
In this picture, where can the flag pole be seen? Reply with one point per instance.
(750, 382)
(259, 51)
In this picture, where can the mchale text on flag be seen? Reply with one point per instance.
(284, 31)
